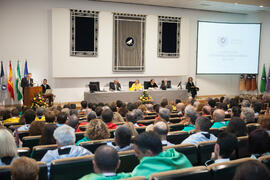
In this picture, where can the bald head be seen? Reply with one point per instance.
(206, 109)
(161, 128)
(180, 107)
(106, 159)
(219, 115)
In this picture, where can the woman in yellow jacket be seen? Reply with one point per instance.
(136, 86)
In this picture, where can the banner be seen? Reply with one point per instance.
(10, 82)
(3, 84)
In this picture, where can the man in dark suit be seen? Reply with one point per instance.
(45, 86)
(27, 81)
(165, 84)
(115, 86)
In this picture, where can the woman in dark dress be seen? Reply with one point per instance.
(191, 87)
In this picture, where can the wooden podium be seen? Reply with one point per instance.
(29, 93)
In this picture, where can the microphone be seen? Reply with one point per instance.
(180, 85)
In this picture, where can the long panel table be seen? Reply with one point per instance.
(133, 96)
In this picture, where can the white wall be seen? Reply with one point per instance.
(27, 31)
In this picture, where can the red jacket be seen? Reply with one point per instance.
(111, 125)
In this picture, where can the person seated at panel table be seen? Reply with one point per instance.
(115, 86)
(152, 84)
(136, 86)
(45, 86)
(165, 84)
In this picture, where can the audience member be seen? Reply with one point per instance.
(107, 116)
(237, 127)
(65, 139)
(47, 134)
(73, 121)
(98, 111)
(225, 147)
(138, 115)
(202, 126)
(190, 118)
(105, 162)
(36, 128)
(8, 149)
(245, 103)
(149, 108)
(24, 168)
(265, 122)
(248, 115)
(96, 130)
(161, 129)
(180, 108)
(218, 117)
(252, 170)
(50, 117)
(61, 119)
(123, 110)
(92, 115)
(259, 143)
(116, 116)
(29, 116)
(206, 110)
(40, 114)
(122, 139)
(148, 149)
(15, 117)
(164, 114)
(236, 111)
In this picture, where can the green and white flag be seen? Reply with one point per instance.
(18, 82)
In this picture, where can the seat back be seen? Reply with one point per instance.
(214, 131)
(177, 137)
(137, 178)
(176, 127)
(205, 150)
(24, 151)
(30, 141)
(265, 160)
(71, 168)
(93, 145)
(43, 172)
(22, 134)
(140, 129)
(153, 116)
(174, 119)
(172, 115)
(252, 126)
(39, 151)
(226, 170)
(189, 150)
(145, 122)
(199, 172)
(128, 161)
(79, 135)
(242, 150)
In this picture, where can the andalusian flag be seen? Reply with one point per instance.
(10, 82)
(263, 80)
(18, 82)
(268, 81)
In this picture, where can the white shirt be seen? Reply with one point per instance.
(199, 137)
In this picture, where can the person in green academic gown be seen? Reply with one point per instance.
(148, 149)
(106, 162)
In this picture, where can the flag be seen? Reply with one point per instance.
(3, 84)
(18, 82)
(248, 82)
(253, 82)
(263, 80)
(268, 81)
(10, 82)
(25, 69)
